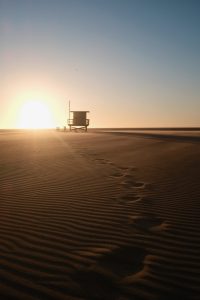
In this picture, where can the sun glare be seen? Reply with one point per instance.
(35, 115)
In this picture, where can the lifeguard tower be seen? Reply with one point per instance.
(78, 120)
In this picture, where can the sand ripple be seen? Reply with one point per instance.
(79, 220)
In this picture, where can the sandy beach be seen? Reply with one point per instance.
(99, 215)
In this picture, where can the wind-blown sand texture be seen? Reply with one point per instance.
(99, 215)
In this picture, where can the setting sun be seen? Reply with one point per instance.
(35, 115)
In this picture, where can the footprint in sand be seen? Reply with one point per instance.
(103, 161)
(123, 261)
(148, 223)
(129, 183)
(123, 168)
(116, 175)
(126, 170)
(122, 172)
(129, 198)
(102, 279)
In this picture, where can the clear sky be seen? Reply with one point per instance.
(130, 62)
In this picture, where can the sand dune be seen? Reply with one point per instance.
(99, 216)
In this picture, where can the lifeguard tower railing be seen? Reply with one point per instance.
(79, 120)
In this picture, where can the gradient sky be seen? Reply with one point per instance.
(131, 63)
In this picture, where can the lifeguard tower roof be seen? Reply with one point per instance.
(79, 111)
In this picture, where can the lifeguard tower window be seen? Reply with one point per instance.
(78, 121)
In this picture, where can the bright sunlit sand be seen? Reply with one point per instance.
(35, 115)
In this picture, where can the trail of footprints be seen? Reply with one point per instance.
(129, 186)
(118, 267)
(131, 192)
